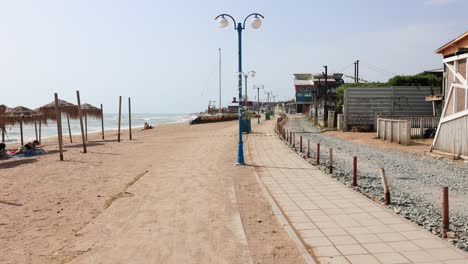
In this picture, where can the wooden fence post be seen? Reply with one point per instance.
(385, 186)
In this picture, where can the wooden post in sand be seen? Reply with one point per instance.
(102, 121)
(69, 129)
(86, 126)
(59, 126)
(129, 118)
(35, 129)
(21, 131)
(81, 122)
(120, 117)
(40, 131)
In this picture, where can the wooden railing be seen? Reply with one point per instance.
(394, 130)
(418, 125)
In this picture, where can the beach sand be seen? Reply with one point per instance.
(169, 196)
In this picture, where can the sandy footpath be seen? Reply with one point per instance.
(169, 196)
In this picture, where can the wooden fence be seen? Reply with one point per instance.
(418, 125)
(394, 130)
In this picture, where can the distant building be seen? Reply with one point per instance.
(315, 93)
(452, 132)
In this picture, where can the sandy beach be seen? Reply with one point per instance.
(172, 195)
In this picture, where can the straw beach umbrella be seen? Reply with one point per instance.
(21, 115)
(3, 109)
(68, 108)
(91, 111)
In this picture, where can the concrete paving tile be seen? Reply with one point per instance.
(419, 256)
(357, 230)
(445, 254)
(299, 219)
(352, 250)
(317, 241)
(367, 238)
(404, 246)
(305, 226)
(391, 258)
(321, 218)
(391, 237)
(312, 213)
(311, 233)
(333, 260)
(378, 248)
(334, 231)
(417, 234)
(342, 240)
(333, 211)
(326, 225)
(404, 227)
(393, 220)
(455, 261)
(430, 243)
(381, 228)
(326, 251)
(362, 258)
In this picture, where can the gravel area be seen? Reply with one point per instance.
(415, 179)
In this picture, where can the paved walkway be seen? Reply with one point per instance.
(338, 224)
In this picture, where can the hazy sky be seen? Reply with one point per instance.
(164, 54)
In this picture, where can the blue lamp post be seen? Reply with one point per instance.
(258, 101)
(256, 23)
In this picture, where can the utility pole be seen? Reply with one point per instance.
(220, 106)
(325, 109)
(357, 71)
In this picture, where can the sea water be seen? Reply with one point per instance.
(94, 125)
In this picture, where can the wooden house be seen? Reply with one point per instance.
(452, 132)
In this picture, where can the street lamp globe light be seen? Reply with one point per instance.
(223, 22)
(256, 22)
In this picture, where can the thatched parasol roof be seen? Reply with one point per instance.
(92, 111)
(18, 114)
(3, 109)
(48, 110)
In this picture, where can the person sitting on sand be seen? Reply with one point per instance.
(147, 126)
(3, 152)
(28, 146)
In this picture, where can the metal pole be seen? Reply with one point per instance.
(81, 122)
(258, 99)
(120, 117)
(308, 148)
(59, 126)
(330, 161)
(357, 71)
(220, 106)
(240, 147)
(245, 100)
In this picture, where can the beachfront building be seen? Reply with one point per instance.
(452, 132)
(315, 93)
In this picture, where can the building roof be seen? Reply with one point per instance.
(453, 46)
